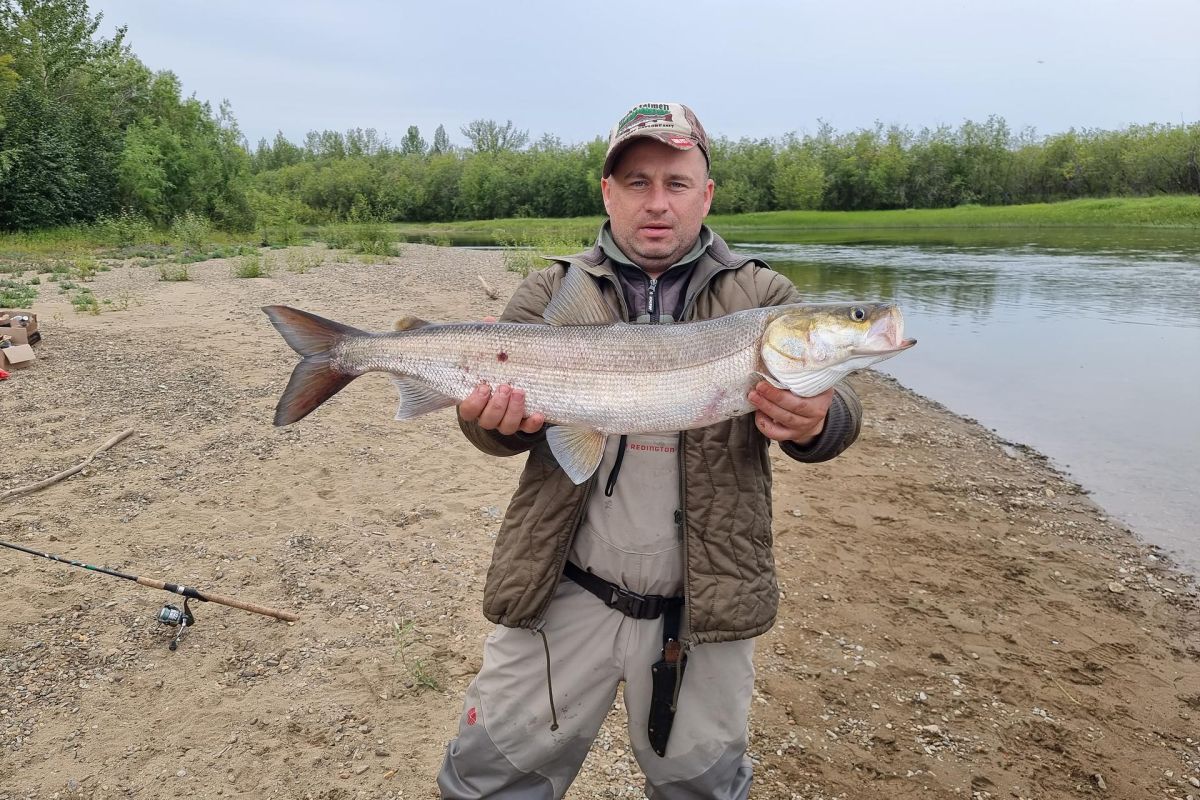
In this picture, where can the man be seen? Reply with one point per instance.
(668, 545)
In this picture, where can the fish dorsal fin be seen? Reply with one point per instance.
(578, 450)
(578, 301)
(409, 323)
(416, 398)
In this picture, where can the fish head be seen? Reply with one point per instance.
(810, 348)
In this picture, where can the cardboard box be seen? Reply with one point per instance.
(16, 335)
(26, 333)
(17, 356)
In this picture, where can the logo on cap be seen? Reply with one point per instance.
(641, 115)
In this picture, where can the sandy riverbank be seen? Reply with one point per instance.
(959, 620)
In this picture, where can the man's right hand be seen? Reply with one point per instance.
(502, 410)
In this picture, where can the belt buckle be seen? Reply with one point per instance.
(631, 604)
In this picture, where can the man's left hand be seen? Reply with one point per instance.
(786, 417)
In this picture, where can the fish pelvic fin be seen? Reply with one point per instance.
(416, 398)
(316, 378)
(577, 450)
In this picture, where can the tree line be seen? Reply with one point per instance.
(88, 131)
(984, 163)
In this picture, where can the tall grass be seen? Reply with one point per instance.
(524, 252)
(369, 238)
(252, 265)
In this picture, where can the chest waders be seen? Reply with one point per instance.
(667, 672)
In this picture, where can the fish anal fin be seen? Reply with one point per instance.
(579, 301)
(578, 450)
(416, 398)
(410, 323)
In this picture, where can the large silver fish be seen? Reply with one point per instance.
(590, 375)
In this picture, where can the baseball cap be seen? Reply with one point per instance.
(672, 124)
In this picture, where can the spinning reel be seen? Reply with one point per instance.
(173, 617)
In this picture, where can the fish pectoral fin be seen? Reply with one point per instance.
(416, 398)
(812, 383)
(762, 376)
(578, 301)
(578, 450)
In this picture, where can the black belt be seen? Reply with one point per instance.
(631, 604)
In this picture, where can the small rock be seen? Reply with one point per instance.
(1099, 779)
(182, 773)
(360, 769)
(1116, 587)
(934, 729)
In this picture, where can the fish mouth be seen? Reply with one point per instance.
(881, 351)
(885, 337)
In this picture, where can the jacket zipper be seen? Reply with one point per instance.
(683, 533)
(688, 640)
(650, 292)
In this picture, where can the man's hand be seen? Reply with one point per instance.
(502, 410)
(786, 417)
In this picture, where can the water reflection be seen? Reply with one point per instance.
(1082, 344)
(1149, 288)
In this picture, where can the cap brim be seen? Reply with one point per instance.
(611, 159)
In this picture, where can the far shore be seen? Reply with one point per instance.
(1168, 212)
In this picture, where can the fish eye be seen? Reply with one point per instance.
(858, 313)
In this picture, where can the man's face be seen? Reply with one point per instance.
(657, 197)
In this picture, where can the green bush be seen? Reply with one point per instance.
(524, 254)
(171, 272)
(252, 265)
(125, 229)
(84, 300)
(302, 260)
(85, 267)
(192, 230)
(366, 238)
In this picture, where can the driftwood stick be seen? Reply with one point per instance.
(492, 293)
(33, 487)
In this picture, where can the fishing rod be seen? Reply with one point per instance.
(169, 615)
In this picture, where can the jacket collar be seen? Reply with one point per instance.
(715, 257)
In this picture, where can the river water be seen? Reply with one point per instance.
(1082, 344)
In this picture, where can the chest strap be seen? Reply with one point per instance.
(631, 604)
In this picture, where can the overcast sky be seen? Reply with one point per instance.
(747, 68)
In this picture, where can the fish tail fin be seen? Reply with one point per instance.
(315, 379)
